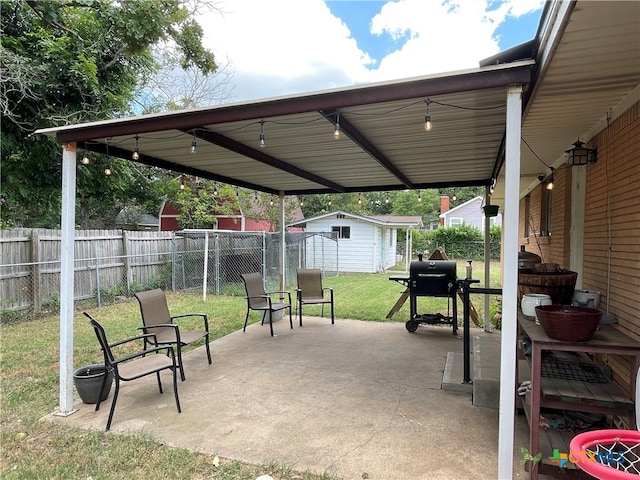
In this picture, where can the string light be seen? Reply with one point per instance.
(85, 159)
(262, 142)
(428, 125)
(136, 153)
(301, 201)
(181, 183)
(107, 171)
(550, 182)
(455, 197)
(359, 200)
(271, 201)
(194, 145)
(386, 200)
(215, 189)
(336, 132)
(419, 196)
(255, 196)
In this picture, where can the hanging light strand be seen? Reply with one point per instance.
(336, 132)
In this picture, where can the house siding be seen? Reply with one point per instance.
(471, 214)
(611, 253)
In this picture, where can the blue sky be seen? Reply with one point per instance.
(283, 47)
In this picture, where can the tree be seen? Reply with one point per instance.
(72, 62)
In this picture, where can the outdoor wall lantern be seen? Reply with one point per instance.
(580, 155)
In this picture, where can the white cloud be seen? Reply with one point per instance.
(280, 47)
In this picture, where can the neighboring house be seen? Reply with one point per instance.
(365, 244)
(467, 213)
(239, 221)
(132, 221)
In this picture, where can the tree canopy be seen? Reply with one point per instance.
(72, 62)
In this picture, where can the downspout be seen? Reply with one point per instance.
(67, 224)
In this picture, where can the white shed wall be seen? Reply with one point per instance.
(355, 254)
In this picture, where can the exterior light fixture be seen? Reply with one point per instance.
(580, 155)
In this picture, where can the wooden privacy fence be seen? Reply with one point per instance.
(112, 263)
(104, 260)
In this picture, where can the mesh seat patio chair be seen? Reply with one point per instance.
(156, 319)
(310, 291)
(261, 301)
(147, 361)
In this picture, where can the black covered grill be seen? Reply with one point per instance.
(436, 278)
(431, 278)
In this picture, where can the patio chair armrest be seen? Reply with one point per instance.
(132, 339)
(160, 325)
(281, 293)
(205, 319)
(145, 352)
(329, 289)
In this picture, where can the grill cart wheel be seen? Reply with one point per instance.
(411, 325)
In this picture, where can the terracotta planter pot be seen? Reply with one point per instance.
(88, 381)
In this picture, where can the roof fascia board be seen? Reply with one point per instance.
(469, 80)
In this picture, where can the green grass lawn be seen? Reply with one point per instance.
(29, 364)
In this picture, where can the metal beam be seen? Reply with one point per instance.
(365, 144)
(242, 149)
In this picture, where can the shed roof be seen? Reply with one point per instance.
(414, 221)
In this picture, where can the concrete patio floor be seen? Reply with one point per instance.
(355, 399)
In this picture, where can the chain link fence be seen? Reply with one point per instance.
(210, 262)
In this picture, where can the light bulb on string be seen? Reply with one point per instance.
(419, 196)
(181, 183)
(85, 159)
(428, 124)
(194, 145)
(107, 171)
(261, 138)
(454, 197)
(359, 200)
(550, 182)
(215, 189)
(302, 201)
(386, 200)
(336, 132)
(136, 153)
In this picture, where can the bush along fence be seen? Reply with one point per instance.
(114, 263)
(463, 243)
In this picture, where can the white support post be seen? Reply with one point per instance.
(283, 245)
(510, 283)
(205, 269)
(487, 261)
(66, 278)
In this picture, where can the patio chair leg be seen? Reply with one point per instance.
(246, 320)
(182, 377)
(175, 390)
(300, 310)
(206, 340)
(113, 404)
(290, 318)
(270, 322)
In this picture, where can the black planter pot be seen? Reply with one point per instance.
(88, 381)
